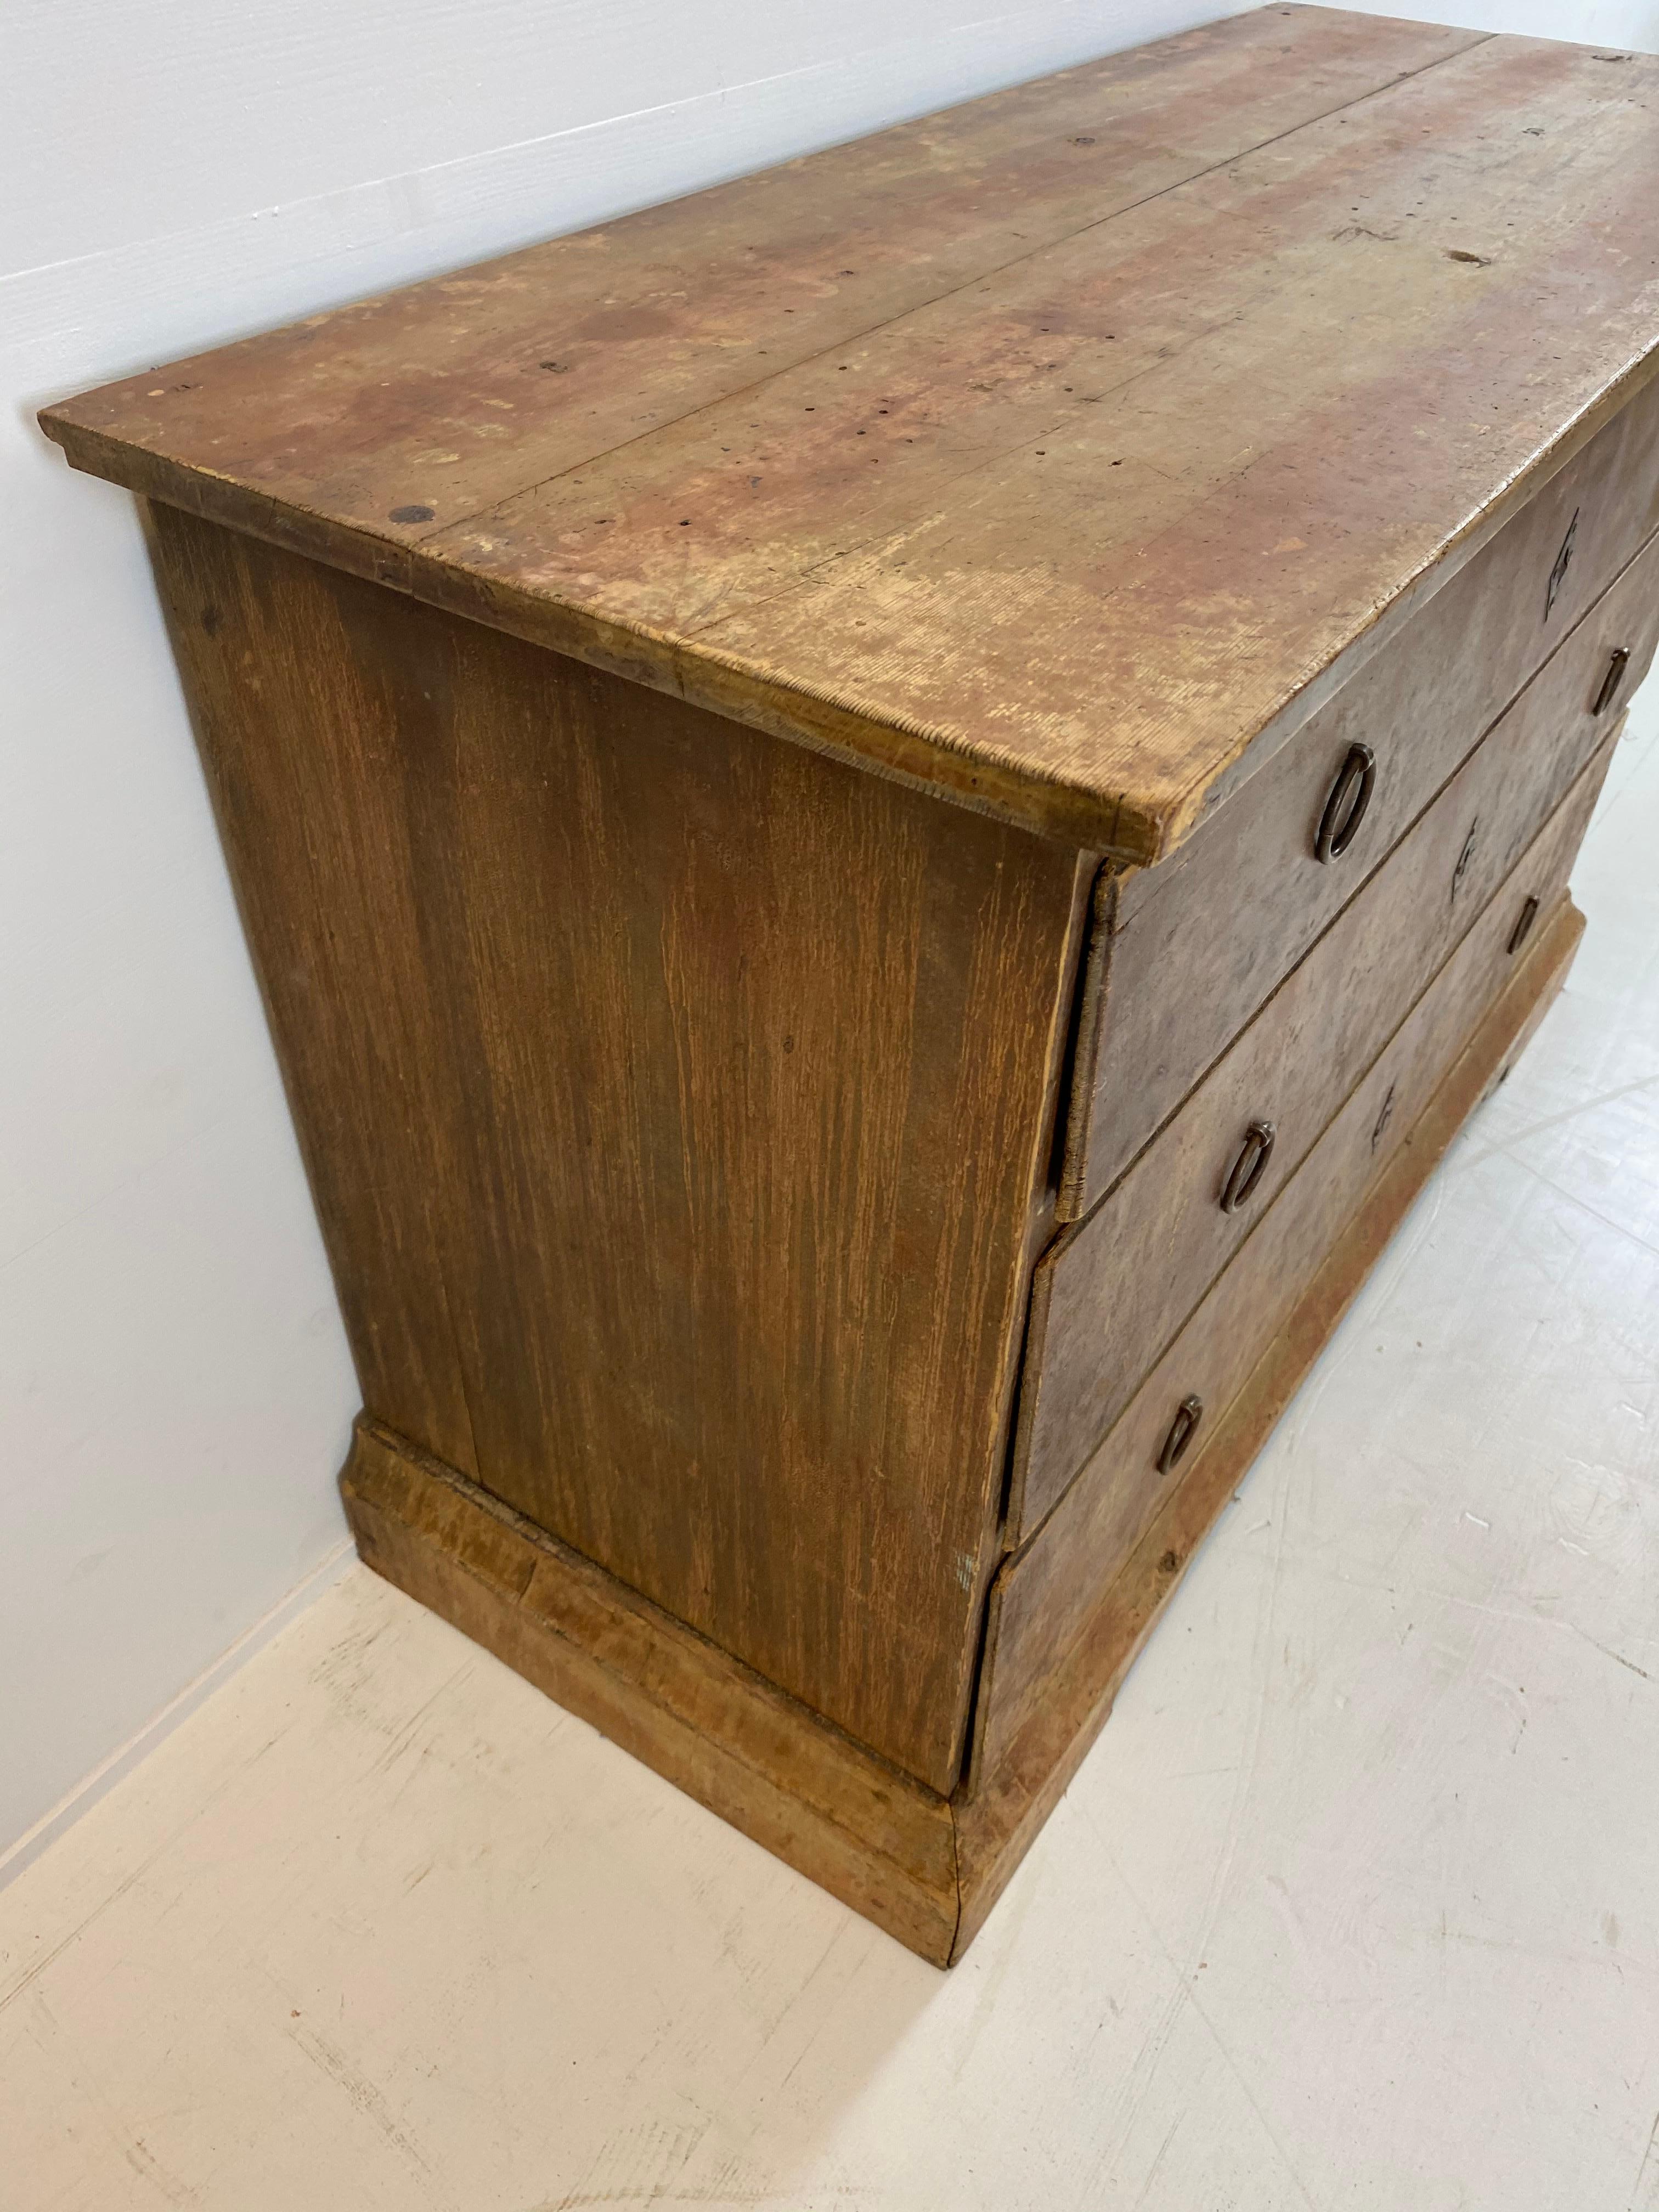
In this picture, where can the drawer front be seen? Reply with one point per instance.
(1111, 1293)
(1238, 904)
(1048, 1592)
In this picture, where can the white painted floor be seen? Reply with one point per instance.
(1355, 1904)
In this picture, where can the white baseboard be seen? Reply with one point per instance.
(103, 1777)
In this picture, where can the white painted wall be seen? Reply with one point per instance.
(174, 1388)
(1611, 23)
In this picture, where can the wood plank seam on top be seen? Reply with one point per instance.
(1475, 39)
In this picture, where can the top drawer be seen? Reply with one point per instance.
(1185, 953)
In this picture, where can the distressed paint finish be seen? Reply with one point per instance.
(1075, 531)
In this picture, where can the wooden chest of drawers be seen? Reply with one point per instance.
(887, 817)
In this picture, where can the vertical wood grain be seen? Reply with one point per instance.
(323, 879)
(678, 1107)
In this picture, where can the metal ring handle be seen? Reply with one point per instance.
(1248, 1169)
(1344, 810)
(1612, 680)
(1522, 929)
(1189, 1413)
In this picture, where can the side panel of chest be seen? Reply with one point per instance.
(676, 1103)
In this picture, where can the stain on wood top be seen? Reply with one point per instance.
(1061, 452)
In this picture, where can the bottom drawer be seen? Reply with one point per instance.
(1049, 1588)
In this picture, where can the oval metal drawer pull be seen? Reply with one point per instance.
(1612, 680)
(1344, 810)
(1247, 1170)
(1189, 1413)
(1522, 929)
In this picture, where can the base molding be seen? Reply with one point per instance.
(925, 1868)
(882, 1843)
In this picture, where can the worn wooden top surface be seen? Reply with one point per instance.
(1061, 450)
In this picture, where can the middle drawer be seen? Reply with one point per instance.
(1113, 1289)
